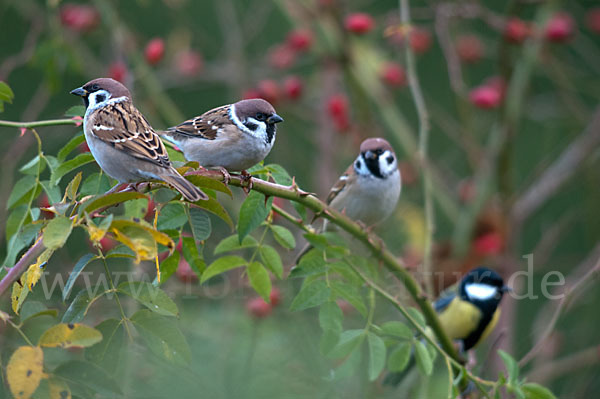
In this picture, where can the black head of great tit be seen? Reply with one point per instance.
(469, 311)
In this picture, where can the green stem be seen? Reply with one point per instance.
(112, 286)
(34, 124)
(16, 327)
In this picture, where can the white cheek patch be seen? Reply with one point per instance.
(481, 291)
(261, 130)
(360, 166)
(102, 127)
(387, 168)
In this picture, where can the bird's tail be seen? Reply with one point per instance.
(187, 189)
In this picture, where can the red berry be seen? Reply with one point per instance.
(43, 202)
(485, 97)
(592, 20)
(269, 90)
(107, 243)
(489, 244)
(560, 28)
(279, 202)
(250, 93)
(155, 50)
(359, 23)
(79, 17)
(189, 62)
(393, 74)
(282, 56)
(469, 48)
(516, 30)
(420, 40)
(275, 296)
(345, 307)
(292, 86)
(337, 105)
(83, 147)
(300, 39)
(258, 308)
(117, 71)
(185, 273)
(150, 211)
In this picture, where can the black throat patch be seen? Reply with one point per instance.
(270, 132)
(373, 165)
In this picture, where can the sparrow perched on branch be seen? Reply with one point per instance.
(123, 142)
(235, 136)
(370, 188)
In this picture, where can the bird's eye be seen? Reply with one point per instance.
(260, 116)
(358, 164)
(95, 87)
(390, 159)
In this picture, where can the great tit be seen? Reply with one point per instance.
(469, 311)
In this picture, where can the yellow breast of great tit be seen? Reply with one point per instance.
(460, 319)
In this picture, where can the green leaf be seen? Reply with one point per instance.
(279, 174)
(349, 341)
(423, 358)
(283, 236)
(399, 358)
(73, 186)
(200, 223)
(57, 232)
(34, 166)
(70, 165)
(70, 146)
(171, 216)
(536, 391)
(70, 335)
(397, 329)
(162, 336)
(272, 260)
(310, 264)
(169, 266)
(417, 316)
(330, 317)
(53, 192)
(376, 355)
(20, 240)
(512, 367)
(6, 93)
(136, 208)
(318, 241)
(20, 190)
(252, 213)
(108, 352)
(81, 375)
(350, 294)
(110, 199)
(232, 243)
(192, 255)
(32, 309)
(79, 306)
(222, 265)
(150, 296)
(96, 183)
(215, 207)
(79, 266)
(207, 182)
(301, 209)
(76, 110)
(259, 280)
(313, 293)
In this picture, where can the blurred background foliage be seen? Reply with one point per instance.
(338, 78)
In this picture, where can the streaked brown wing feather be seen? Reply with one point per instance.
(339, 186)
(206, 125)
(123, 126)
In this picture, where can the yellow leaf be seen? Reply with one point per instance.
(35, 271)
(96, 234)
(59, 389)
(15, 296)
(139, 240)
(25, 371)
(70, 335)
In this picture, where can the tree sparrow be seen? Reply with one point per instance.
(234, 137)
(369, 189)
(123, 142)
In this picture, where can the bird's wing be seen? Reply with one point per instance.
(443, 301)
(341, 184)
(205, 126)
(125, 128)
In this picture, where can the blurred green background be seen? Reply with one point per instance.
(216, 52)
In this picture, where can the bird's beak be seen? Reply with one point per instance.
(80, 91)
(370, 155)
(274, 119)
(506, 288)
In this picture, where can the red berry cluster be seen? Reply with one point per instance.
(259, 308)
(79, 17)
(490, 94)
(284, 55)
(419, 38)
(339, 111)
(359, 23)
(270, 90)
(154, 51)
